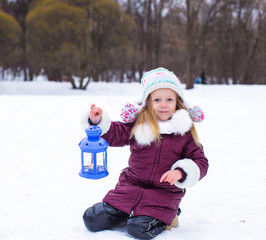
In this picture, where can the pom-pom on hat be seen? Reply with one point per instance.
(160, 78)
(129, 113)
(196, 114)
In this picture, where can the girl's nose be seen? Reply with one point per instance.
(163, 104)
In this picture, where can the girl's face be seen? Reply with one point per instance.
(164, 103)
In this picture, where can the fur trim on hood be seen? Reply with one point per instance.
(180, 123)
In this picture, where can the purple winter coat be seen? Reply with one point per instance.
(139, 191)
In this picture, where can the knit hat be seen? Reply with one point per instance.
(160, 78)
(156, 79)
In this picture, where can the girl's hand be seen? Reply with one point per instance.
(171, 176)
(95, 113)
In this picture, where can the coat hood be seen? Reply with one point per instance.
(180, 123)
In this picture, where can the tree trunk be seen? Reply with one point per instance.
(190, 79)
(189, 65)
(121, 75)
(149, 38)
(87, 83)
(72, 82)
(80, 82)
(250, 62)
(158, 32)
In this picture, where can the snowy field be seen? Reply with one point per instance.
(43, 197)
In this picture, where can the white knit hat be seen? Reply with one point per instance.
(156, 79)
(160, 78)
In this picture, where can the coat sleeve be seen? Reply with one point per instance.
(117, 134)
(194, 163)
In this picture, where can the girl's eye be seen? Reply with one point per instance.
(156, 100)
(170, 99)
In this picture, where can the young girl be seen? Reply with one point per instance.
(166, 158)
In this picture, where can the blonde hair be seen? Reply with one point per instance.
(146, 114)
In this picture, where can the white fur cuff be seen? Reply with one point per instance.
(191, 169)
(104, 124)
(84, 119)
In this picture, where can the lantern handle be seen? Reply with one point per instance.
(96, 120)
(91, 123)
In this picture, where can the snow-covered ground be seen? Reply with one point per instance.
(43, 197)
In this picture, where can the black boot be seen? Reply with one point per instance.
(179, 211)
(144, 227)
(103, 216)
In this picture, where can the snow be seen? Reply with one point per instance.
(43, 197)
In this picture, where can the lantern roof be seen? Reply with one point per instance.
(93, 142)
(93, 131)
(86, 145)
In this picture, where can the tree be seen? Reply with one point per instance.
(10, 33)
(58, 41)
(173, 43)
(253, 37)
(119, 54)
(19, 9)
(108, 32)
(148, 15)
(236, 39)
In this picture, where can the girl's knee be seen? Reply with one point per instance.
(102, 216)
(144, 227)
(91, 216)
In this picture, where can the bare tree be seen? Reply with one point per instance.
(200, 15)
(148, 15)
(256, 11)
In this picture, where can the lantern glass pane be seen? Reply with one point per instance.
(101, 162)
(88, 161)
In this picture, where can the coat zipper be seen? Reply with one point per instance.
(131, 214)
(136, 202)
(158, 155)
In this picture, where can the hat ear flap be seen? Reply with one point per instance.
(129, 113)
(196, 114)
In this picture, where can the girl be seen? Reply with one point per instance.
(166, 158)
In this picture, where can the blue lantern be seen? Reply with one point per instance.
(93, 154)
